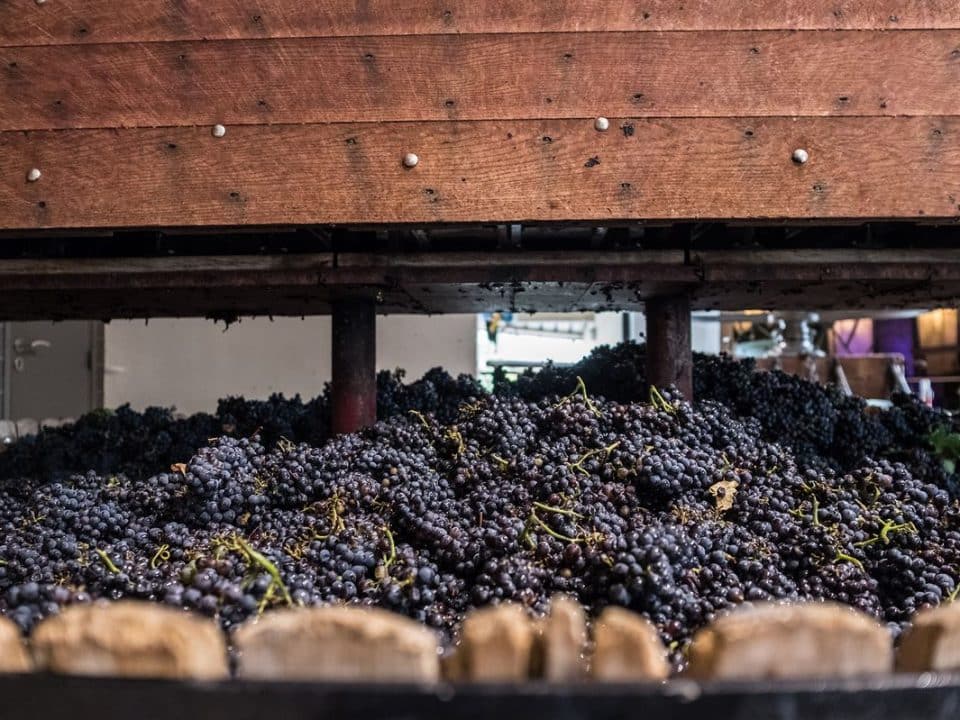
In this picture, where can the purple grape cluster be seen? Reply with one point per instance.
(138, 445)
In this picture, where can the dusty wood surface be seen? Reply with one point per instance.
(451, 77)
(627, 648)
(337, 644)
(98, 21)
(933, 641)
(483, 171)
(437, 298)
(804, 640)
(461, 282)
(130, 639)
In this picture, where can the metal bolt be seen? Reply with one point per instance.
(40, 2)
(800, 156)
(33, 175)
(219, 130)
(410, 160)
(601, 124)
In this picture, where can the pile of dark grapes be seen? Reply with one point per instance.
(120, 441)
(768, 487)
(138, 445)
(825, 428)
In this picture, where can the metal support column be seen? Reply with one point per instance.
(669, 352)
(354, 365)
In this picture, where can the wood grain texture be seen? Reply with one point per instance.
(696, 74)
(516, 171)
(222, 300)
(101, 288)
(91, 21)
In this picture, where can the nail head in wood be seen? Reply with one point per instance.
(219, 131)
(601, 124)
(40, 2)
(33, 175)
(410, 160)
(800, 156)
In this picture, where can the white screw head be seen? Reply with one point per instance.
(800, 156)
(219, 130)
(601, 124)
(33, 175)
(40, 2)
(410, 160)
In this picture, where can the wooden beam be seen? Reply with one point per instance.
(230, 303)
(669, 350)
(484, 77)
(101, 21)
(354, 365)
(227, 287)
(516, 171)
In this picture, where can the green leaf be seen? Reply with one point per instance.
(946, 445)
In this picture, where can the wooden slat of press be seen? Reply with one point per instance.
(25, 22)
(558, 170)
(696, 74)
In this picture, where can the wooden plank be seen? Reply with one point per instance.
(869, 375)
(561, 170)
(103, 288)
(855, 257)
(99, 21)
(450, 77)
(558, 262)
(229, 302)
(183, 269)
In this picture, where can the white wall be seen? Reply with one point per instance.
(560, 349)
(704, 332)
(190, 364)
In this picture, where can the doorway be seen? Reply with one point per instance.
(51, 370)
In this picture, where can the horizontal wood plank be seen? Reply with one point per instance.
(105, 288)
(696, 74)
(26, 22)
(229, 303)
(560, 170)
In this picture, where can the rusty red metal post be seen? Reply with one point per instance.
(354, 366)
(669, 351)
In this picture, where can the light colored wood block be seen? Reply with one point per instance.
(496, 645)
(627, 648)
(933, 642)
(337, 643)
(791, 641)
(13, 653)
(563, 637)
(130, 639)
